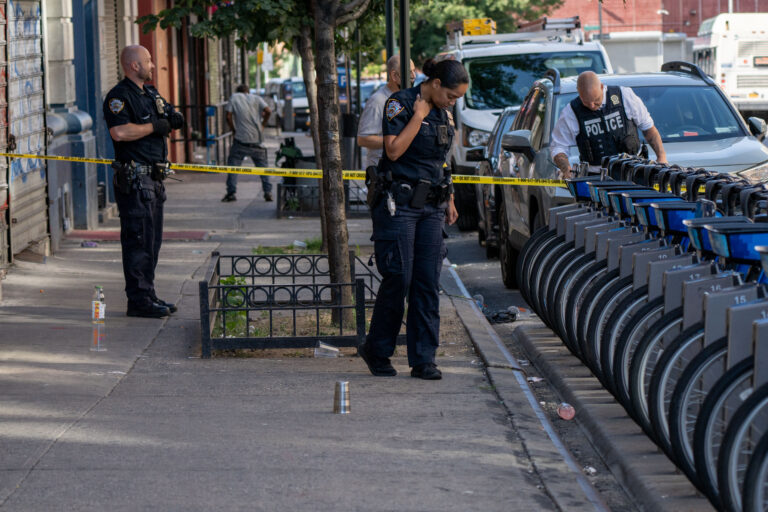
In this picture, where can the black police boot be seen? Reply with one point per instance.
(228, 198)
(380, 367)
(267, 196)
(147, 310)
(160, 302)
(426, 371)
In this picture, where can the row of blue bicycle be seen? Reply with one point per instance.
(656, 279)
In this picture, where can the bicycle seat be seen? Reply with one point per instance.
(737, 241)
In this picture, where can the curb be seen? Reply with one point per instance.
(559, 472)
(637, 463)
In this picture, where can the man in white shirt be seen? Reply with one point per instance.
(602, 121)
(246, 114)
(369, 130)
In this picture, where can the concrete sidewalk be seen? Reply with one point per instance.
(148, 425)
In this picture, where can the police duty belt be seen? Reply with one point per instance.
(298, 173)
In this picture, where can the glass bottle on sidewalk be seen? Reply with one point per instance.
(98, 316)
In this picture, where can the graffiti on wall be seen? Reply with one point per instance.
(25, 107)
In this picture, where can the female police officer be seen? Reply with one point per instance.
(415, 199)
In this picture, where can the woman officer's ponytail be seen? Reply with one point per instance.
(450, 72)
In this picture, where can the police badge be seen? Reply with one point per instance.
(614, 99)
(116, 105)
(160, 104)
(394, 107)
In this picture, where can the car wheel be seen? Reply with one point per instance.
(507, 255)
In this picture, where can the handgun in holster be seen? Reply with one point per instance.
(161, 170)
(377, 185)
(123, 177)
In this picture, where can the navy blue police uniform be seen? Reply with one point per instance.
(408, 222)
(139, 190)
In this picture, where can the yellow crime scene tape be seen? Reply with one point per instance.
(295, 173)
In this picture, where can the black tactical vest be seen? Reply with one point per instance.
(606, 131)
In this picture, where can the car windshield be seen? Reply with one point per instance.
(504, 80)
(682, 113)
(298, 89)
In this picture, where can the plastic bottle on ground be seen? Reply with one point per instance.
(98, 316)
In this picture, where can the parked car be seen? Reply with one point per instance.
(502, 68)
(698, 124)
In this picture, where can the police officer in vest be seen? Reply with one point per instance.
(413, 200)
(139, 120)
(602, 121)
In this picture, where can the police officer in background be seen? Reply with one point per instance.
(369, 127)
(602, 121)
(413, 201)
(139, 120)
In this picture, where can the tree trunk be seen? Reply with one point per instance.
(308, 72)
(333, 184)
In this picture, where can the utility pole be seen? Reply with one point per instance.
(405, 45)
(389, 17)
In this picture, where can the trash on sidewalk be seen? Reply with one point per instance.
(326, 350)
(341, 397)
(299, 244)
(589, 470)
(523, 362)
(534, 379)
(566, 411)
(479, 301)
(89, 244)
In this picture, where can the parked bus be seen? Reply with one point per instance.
(733, 49)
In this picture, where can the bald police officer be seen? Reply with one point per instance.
(602, 121)
(369, 129)
(139, 120)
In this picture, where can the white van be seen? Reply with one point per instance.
(502, 68)
(276, 92)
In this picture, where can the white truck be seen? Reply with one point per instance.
(502, 68)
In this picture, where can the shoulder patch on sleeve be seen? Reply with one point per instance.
(393, 108)
(116, 105)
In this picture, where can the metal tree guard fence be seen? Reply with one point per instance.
(281, 301)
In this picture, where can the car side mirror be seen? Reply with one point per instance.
(519, 141)
(475, 154)
(757, 127)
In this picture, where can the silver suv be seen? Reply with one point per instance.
(699, 126)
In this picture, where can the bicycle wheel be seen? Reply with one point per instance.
(647, 354)
(562, 315)
(555, 284)
(687, 400)
(604, 308)
(621, 317)
(748, 425)
(535, 267)
(529, 250)
(726, 396)
(625, 347)
(551, 268)
(755, 493)
(592, 296)
(574, 300)
(680, 352)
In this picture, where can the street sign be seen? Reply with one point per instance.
(591, 27)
